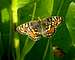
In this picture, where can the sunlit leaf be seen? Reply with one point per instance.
(70, 17)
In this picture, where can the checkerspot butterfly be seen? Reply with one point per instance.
(44, 27)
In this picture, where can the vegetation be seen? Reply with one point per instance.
(14, 46)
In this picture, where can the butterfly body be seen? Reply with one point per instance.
(44, 27)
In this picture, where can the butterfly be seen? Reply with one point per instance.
(45, 27)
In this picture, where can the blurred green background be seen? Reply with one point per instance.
(14, 46)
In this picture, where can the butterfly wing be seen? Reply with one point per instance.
(49, 25)
(22, 29)
(32, 29)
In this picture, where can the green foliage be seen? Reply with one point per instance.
(18, 47)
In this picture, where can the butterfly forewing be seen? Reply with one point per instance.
(49, 25)
(22, 29)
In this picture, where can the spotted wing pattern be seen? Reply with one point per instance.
(35, 29)
(32, 29)
(50, 24)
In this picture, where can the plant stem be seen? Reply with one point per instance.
(27, 47)
(13, 23)
(51, 49)
(46, 50)
(34, 9)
